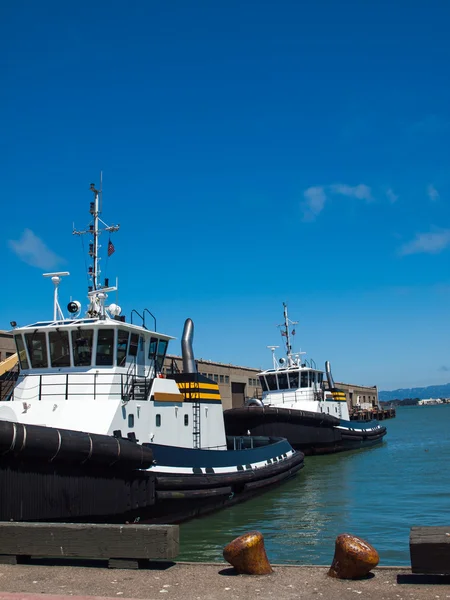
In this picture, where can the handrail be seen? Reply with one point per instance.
(152, 315)
(114, 384)
(139, 315)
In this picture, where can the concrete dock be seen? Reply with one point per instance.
(215, 581)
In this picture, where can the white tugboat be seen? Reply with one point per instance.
(295, 405)
(94, 430)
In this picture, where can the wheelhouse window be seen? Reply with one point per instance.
(271, 382)
(263, 383)
(162, 347)
(152, 347)
(282, 381)
(134, 343)
(37, 349)
(21, 353)
(122, 347)
(320, 379)
(105, 347)
(59, 348)
(304, 379)
(294, 380)
(82, 347)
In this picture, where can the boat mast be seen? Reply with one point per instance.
(285, 333)
(95, 231)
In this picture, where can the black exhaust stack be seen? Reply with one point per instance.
(189, 365)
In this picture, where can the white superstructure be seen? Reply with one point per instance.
(296, 384)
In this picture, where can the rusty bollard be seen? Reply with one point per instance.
(353, 558)
(247, 554)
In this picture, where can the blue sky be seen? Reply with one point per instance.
(254, 153)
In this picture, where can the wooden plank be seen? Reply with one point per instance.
(430, 550)
(73, 540)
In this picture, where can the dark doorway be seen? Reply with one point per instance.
(237, 394)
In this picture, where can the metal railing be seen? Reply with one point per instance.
(94, 386)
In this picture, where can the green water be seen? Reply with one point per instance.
(377, 494)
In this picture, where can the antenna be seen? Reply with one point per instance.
(56, 279)
(94, 230)
(285, 333)
(273, 348)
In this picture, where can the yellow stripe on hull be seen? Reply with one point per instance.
(200, 396)
(191, 385)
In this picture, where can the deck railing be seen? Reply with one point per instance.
(93, 386)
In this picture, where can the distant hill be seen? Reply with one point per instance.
(432, 391)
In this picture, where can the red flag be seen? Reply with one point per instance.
(111, 248)
(293, 332)
(284, 333)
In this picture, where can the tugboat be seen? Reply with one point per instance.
(295, 405)
(94, 431)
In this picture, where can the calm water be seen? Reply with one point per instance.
(377, 494)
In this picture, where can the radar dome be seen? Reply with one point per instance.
(114, 309)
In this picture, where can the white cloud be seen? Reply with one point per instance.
(391, 195)
(361, 191)
(317, 196)
(33, 251)
(432, 193)
(314, 203)
(428, 243)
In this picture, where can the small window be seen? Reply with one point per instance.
(282, 381)
(158, 420)
(162, 347)
(152, 348)
(216, 378)
(37, 349)
(272, 382)
(134, 341)
(21, 352)
(82, 347)
(59, 348)
(293, 380)
(186, 420)
(105, 347)
(122, 347)
(304, 379)
(227, 379)
(221, 378)
(131, 421)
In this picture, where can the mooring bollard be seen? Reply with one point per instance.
(247, 554)
(353, 558)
